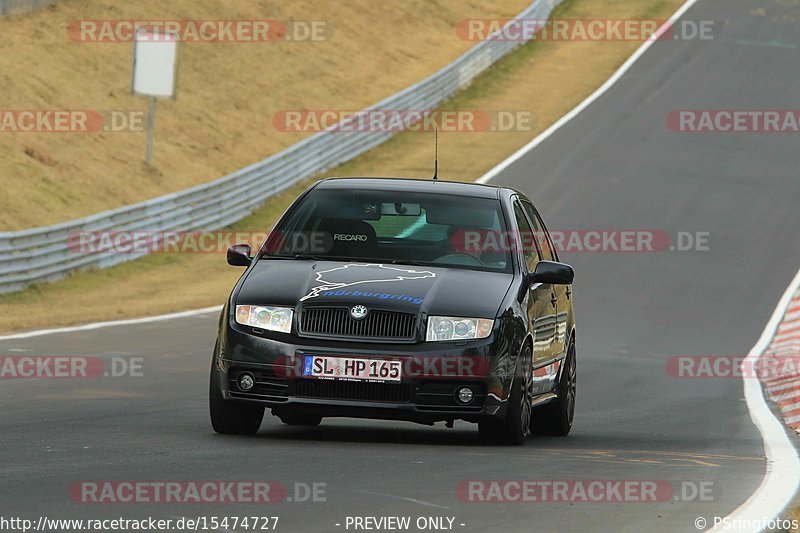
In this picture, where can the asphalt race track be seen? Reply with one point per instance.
(616, 166)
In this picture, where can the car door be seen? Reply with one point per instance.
(563, 292)
(540, 304)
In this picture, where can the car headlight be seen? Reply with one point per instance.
(451, 328)
(260, 316)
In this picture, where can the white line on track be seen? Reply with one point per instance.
(98, 325)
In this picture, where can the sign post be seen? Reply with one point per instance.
(151, 122)
(154, 65)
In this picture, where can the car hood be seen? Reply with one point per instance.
(405, 288)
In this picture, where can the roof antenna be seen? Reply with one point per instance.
(436, 158)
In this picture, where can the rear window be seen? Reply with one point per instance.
(392, 226)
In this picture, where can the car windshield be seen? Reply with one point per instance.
(394, 227)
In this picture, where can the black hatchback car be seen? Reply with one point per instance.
(417, 300)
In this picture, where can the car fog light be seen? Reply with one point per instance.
(246, 381)
(464, 395)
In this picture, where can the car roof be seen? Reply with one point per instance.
(413, 185)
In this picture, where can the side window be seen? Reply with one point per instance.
(528, 243)
(542, 239)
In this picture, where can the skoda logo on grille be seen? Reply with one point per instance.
(358, 312)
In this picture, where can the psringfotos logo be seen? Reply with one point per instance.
(726, 523)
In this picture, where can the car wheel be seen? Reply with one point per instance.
(229, 417)
(300, 419)
(516, 426)
(556, 417)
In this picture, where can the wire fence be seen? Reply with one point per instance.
(48, 253)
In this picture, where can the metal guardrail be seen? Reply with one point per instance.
(44, 254)
(13, 7)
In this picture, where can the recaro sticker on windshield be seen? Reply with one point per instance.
(334, 281)
(349, 237)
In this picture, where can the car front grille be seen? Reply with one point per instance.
(353, 390)
(377, 325)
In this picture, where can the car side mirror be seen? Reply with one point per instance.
(553, 273)
(547, 272)
(239, 255)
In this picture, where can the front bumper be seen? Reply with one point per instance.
(432, 372)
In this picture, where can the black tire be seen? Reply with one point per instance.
(515, 428)
(231, 417)
(556, 417)
(300, 419)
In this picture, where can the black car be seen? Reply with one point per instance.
(418, 300)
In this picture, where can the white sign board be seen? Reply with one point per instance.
(154, 59)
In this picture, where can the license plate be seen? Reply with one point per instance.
(350, 368)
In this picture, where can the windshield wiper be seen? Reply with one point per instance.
(312, 257)
(410, 262)
(347, 259)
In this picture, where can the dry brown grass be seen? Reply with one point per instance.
(548, 78)
(227, 92)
